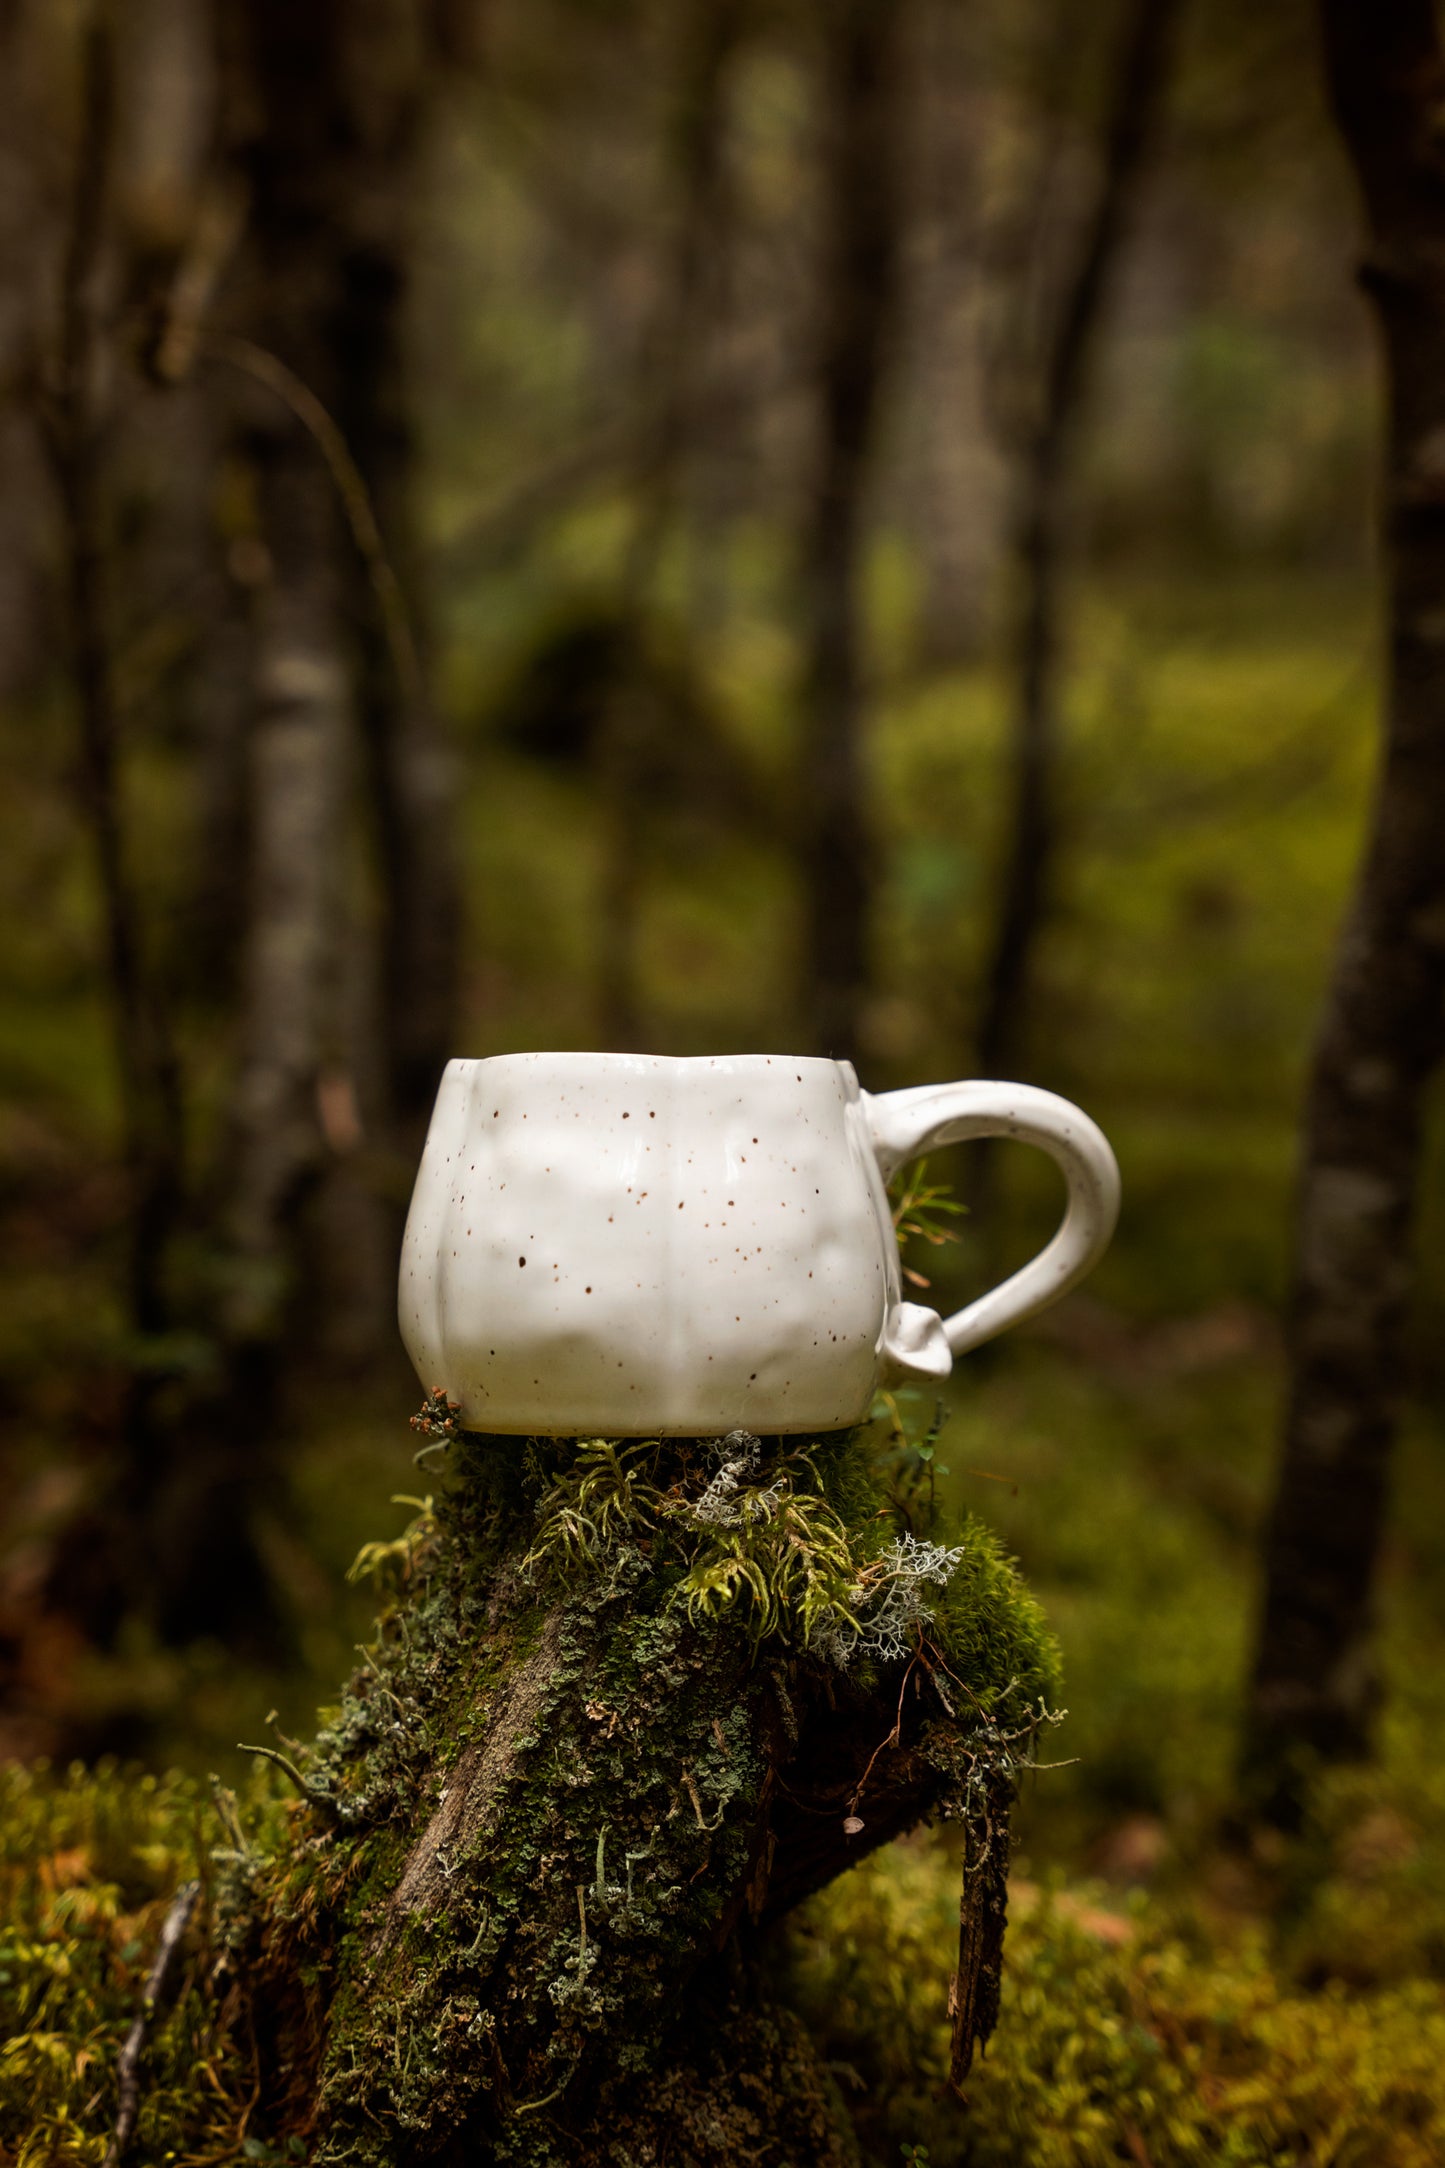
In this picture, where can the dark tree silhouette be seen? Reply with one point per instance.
(317, 115)
(1383, 1029)
(320, 112)
(393, 56)
(149, 1089)
(634, 709)
(104, 1564)
(283, 112)
(1136, 91)
(862, 215)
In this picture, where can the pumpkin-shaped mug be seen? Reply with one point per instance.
(629, 1245)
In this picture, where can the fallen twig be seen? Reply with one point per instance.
(127, 2069)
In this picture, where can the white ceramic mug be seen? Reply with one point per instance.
(626, 1245)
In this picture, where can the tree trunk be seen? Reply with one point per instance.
(383, 75)
(219, 694)
(956, 476)
(26, 240)
(1136, 94)
(321, 106)
(298, 773)
(633, 716)
(109, 1556)
(1314, 1686)
(862, 214)
(525, 1915)
(149, 1084)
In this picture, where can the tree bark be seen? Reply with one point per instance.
(298, 769)
(321, 111)
(633, 717)
(298, 774)
(384, 74)
(297, 764)
(333, 160)
(1314, 1684)
(318, 112)
(1135, 96)
(26, 241)
(956, 476)
(149, 1077)
(149, 1543)
(862, 214)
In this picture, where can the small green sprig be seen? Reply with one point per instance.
(393, 1565)
(922, 1210)
(604, 1497)
(787, 1564)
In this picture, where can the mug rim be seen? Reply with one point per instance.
(612, 1059)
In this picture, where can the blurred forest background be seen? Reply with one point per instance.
(713, 526)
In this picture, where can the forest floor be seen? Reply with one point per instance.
(1169, 2001)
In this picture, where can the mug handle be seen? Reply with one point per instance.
(906, 1124)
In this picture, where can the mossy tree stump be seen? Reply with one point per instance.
(627, 1705)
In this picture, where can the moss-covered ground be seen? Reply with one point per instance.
(1131, 2030)
(625, 1703)
(1139, 2027)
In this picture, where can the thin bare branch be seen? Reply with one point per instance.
(127, 2069)
(314, 417)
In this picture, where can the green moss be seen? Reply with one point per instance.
(809, 1544)
(993, 1628)
(1123, 2033)
(1364, 1892)
(89, 1861)
(1143, 2035)
(509, 1892)
(611, 1633)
